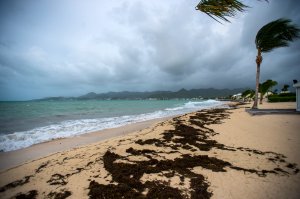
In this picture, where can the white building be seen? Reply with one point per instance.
(297, 86)
(237, 96)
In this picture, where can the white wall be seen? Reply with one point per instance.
(298, 98)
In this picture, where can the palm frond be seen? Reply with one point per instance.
(266, 86)
(221, 9)
(276, 34)
(248, 93)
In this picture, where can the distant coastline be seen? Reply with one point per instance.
(196, 94)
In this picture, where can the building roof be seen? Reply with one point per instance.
(297, 85)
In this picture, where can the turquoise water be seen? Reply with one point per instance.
(20, 116)
(25, 123)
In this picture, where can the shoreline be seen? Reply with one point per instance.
(212, 153)
(64, 127)
(12, 159)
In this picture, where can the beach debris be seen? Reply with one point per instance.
(59, 195)
(42, 166)
(16, 183)
(30, 195)
(57, 179)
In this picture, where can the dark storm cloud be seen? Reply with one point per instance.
(51, 48)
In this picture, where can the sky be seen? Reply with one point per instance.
(72, 47)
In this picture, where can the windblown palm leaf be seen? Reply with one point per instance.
(276, 34)
(221, 9)
(267, 85)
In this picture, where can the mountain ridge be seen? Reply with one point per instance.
(180, 94)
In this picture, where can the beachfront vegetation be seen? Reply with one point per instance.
(273, 35)
(248, 95)
(221, 9)
(265, 92)
(282, 97)
(265, 87)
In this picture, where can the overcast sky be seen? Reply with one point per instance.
(69, 48)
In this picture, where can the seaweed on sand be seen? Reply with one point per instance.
(16, 183)
(59, 195)
(42, 166)
(126, 176)
(57, 179)
(30, 195)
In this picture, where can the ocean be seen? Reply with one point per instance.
(23, 124)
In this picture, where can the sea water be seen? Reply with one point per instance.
(23, 124)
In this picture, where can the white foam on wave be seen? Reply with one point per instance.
(196, 105)
(18, 140)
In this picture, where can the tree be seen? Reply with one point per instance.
(285, 88)
(221, 9)
(265, 87)
(248, 94)
(273, 35)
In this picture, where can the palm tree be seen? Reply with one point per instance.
(248, 94)
(265, 87)
(221, 9)
(273, 35)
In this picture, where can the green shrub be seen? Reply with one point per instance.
(278, 98)
(286, 94)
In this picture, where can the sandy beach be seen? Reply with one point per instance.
(214, 153)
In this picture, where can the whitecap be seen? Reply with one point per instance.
(18, 140)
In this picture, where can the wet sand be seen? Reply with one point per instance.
(216, 153)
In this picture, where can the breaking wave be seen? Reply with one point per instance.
(18, 140)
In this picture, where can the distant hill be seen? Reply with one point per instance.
(180, 94)
(124, 95)
(197, 93)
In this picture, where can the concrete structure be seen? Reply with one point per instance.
(297, 86)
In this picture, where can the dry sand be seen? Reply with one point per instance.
(211, 153)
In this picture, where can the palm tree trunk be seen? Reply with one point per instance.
(261, 98)
(258, 62)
